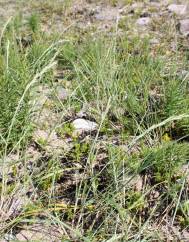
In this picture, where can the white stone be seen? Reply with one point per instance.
(81, 125)
(143, 21)
(184, 27)
(62, 93)
(179, 9)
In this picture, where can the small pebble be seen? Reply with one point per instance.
(184, 27)
(143, 21)
(62, 93)
(81, 125)
(179, 9)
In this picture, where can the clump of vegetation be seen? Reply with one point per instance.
(109, 184)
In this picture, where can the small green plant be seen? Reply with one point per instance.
(33, 23)
(42, 142)
(166, 160)
(65, 130)
(80, 150)
(135, 201)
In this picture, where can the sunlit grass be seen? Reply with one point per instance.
(113, 184)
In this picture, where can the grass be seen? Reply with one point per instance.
(120, 183)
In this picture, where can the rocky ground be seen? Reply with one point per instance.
(165, 23)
